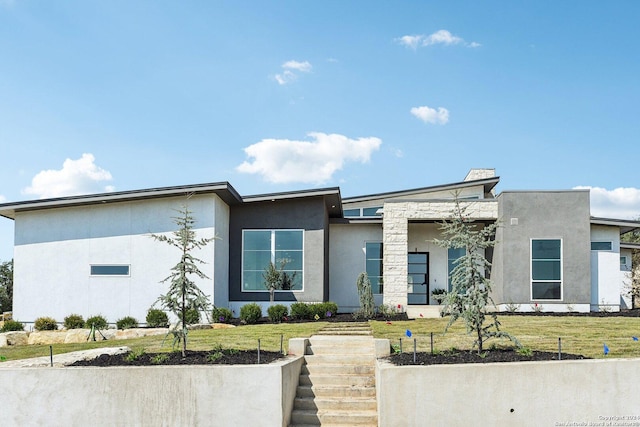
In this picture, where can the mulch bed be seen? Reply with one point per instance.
(225, 357)
(622, 313)
(497, 355)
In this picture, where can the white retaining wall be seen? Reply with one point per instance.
(247, 395)
(566, 393)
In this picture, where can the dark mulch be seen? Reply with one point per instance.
(227, 357)
(340, 317)
(451, 357)
(622, 313)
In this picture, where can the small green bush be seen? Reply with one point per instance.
(250, 313)
(277, 313)
(330, 308)
(74, 321)
(12, 326)
(98, 322)
(127, 322)
(45, 324)
(323, 309)
(221, 315)
(192, 316)
(300, 311)
(157, 318)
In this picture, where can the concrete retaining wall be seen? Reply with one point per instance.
(585, 392)
(248, 395)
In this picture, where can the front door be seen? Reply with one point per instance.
(418, 278)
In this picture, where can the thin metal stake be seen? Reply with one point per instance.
(400, 345)
(258, 351)
(281, 340)
(559, 348)
(431, 342)
(51, 354)
(414, 350)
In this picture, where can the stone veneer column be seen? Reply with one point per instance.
(395, 240)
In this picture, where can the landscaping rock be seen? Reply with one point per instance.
(46, 337)
(77, 336)
(199, 326)
(126, 334)
(3, 341)
(64, 359)
(222, 326)
(17, 338)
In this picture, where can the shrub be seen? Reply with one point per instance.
(323, 309)
(157, 318)
(45, 324)
(73, 321)
(330, 307)
(98, 322)
(277, 313)
(192, 316)
(300, 311)
(11, 326)
(127, 322)
(222, 315)
(250, 313)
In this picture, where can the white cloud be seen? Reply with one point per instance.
(443, 37)
(76, 177)
(286, 161)
(288, 75)
(431, 115)
(621, 203)
(2, 198)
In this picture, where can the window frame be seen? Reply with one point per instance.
(609, 242)
(366, 258)
(531, 263)
(92, 274)
(273, 254)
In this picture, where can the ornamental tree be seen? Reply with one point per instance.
(6, 286)
(183, 293)
(470, 294)
(367, 305)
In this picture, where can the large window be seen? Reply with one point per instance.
(109, 270)
(546, 269)
(259, 247)
(453, 254)
(373, 254)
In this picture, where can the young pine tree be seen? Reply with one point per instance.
(183, 294)
(367, 305)
(470, 295)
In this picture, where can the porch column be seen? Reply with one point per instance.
(395, 230)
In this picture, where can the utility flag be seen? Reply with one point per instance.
(606, 349)
(409, 333)
(635, 338)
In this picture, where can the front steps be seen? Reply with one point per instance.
(337, 381)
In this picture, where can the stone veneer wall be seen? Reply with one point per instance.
(395, 224)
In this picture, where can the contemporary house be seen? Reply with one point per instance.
(94, 254)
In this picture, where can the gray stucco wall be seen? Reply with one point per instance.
(309, 214)
(540, 215)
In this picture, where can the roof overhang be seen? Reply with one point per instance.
(332, 198)
(224, 190)
(625, 225)
(630, 245)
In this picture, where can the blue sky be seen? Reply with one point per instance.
(275, 96)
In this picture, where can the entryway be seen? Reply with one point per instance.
(418, 278)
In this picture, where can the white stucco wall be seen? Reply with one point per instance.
(347, 261)
(606, 280)
(55, 248)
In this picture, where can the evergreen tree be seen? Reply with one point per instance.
(634, 285)
(6, 286)
(470, 295)
(367, 305)
(183, 294)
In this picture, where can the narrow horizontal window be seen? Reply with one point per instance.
(352, 212)
(371, 211)
(109, 270)
(600, 246)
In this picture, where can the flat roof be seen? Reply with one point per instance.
(331, 195)
(626, 225)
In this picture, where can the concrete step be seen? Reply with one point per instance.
(340, 359)
(349, 418)
(343, 332)
(334, 392)
(338, 380)
(336, 404)
(337, 349)
(337, 369)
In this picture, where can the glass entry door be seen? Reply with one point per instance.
(418, 278)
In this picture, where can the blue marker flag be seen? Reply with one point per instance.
(635, 338)
(606, 349)
(409, 333)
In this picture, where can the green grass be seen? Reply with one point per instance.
(580, 335)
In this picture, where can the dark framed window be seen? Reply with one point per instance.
(546, 269)
(601, 246)
(260, 247)
(453, 255)
(373, 255)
